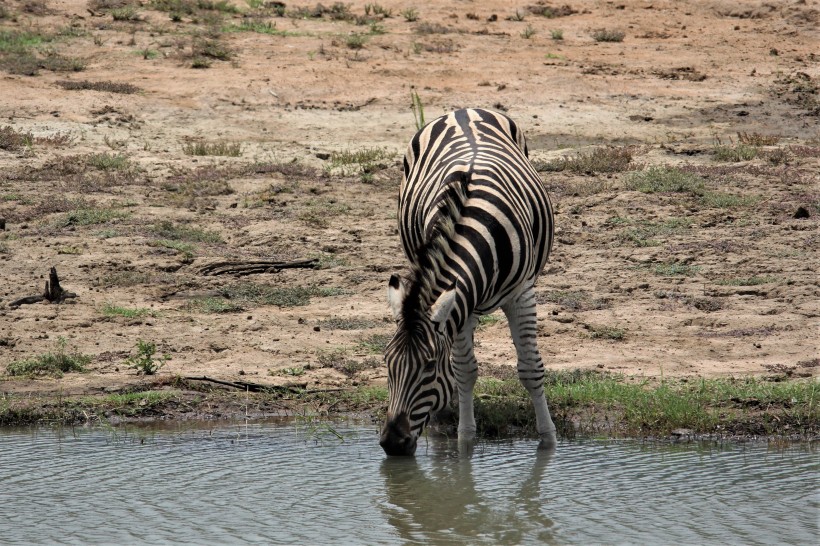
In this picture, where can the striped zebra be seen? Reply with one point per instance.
(476, 224)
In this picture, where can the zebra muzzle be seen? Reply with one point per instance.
(396, 438)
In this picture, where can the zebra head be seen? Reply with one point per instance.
(419, 372)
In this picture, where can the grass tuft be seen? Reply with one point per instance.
(220, 148)
(50, 364)
(661, 179)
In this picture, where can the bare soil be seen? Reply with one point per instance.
(643, 284)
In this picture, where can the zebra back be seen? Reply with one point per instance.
(473, 213)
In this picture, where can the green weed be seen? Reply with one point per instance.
(144, 361)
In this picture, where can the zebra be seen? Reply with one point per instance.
(476, 224)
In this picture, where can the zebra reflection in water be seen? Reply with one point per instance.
(437, 500)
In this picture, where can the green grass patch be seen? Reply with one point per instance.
(489, 320)
(108, 162)
(261, 27)
(318, 212)
(376, 343)
(675, 270)
(661, 179)
(111, 310)
(727, 200)
(363, 160)
(643, 235)
(705, 406)
(89, 216)
(186, 250)
(50, 364)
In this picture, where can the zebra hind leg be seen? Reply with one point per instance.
(465, 369)
(522, 317)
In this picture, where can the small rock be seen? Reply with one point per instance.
(324, 156)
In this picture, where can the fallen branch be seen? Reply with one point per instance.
(53, 292)
(250, 387)
(241, 269)
(258, 387)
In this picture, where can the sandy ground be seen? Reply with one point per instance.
(687, 77)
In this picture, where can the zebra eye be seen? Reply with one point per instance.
(429, 366)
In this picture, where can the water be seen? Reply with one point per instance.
(298, 483)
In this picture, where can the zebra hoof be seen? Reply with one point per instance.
(548, 441)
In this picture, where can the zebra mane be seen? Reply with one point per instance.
(423, 279)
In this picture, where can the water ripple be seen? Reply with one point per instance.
(285, 484)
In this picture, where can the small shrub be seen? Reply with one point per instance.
(741, 152)
(757, 139)
(528, 32)
(604, 35)
(126, 13)
(12, 140)
(610, 159)
(108, 162)
(211, 49)
(605, 332)
(411, 15)
(355, 40)
(144, 361)
(557, 34)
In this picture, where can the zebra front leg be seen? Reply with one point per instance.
(522, 317)
(465, 369)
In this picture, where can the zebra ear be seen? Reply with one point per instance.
(395, 295)
(440, 311)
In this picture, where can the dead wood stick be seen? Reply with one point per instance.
(251, 387)
(53, 292)
(255, 266)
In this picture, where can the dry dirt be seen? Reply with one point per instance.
(722, 288)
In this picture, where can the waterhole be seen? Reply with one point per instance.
(312, 482)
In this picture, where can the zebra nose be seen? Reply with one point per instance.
(396, 439)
